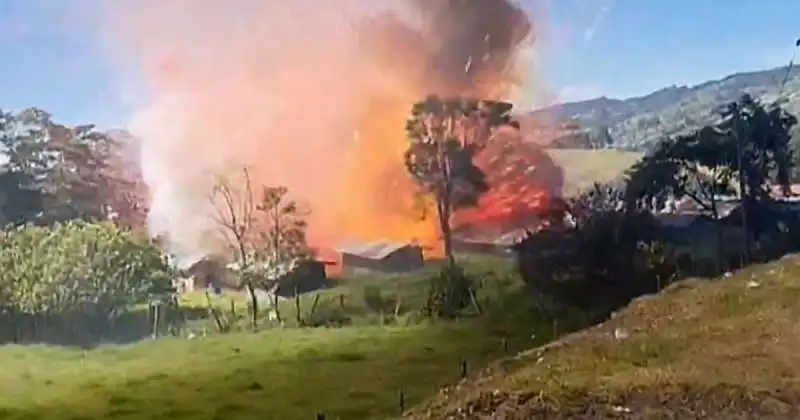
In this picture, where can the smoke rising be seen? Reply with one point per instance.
(309, 94)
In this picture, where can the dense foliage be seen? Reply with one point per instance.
(444, 135)
(56, 172)
(597, 265)
(76, 275)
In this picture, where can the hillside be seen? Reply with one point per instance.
(637, 122)
(356, 371)
(583, 168)
(719, 349)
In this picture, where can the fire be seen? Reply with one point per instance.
(312, 95)
(523, 180)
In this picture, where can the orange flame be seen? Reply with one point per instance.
(312, 95)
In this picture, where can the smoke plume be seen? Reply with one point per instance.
(309, 94)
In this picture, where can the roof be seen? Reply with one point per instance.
(373, 250)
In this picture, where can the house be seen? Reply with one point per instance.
(388, 257)
(205, 272)
(303, 276)
(295, 277)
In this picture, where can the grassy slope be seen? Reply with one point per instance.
(722, 349)
(585, 167)
(349, 373)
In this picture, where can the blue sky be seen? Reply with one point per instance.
(616, 48)
(622, 48)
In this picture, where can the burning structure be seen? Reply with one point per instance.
(387, 257)
(319, 110)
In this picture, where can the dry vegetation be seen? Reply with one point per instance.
(719, 349)
(584, 167)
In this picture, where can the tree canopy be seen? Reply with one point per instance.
(56, 173)
(444, 136)
(747, 150)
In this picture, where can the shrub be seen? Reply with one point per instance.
(450, 292)
(601, 264)
(79, 273)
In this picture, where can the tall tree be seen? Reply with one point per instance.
(749, 146)
(69, 167)
(444, 136)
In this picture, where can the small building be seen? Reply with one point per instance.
(386, 257)
(297, 277)
(208, 271)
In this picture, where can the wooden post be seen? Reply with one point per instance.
(402, 402)
(156, 316)
(463, 368)
(313, 309)
(297, 307)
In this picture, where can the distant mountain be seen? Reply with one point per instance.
(637, 123)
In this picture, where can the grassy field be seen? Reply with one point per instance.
(585, 167)
(702, 349)
(354, 372)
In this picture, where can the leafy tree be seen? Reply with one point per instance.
(83, 273)
(607, 259)
(444, 136)
(64, 172)
(749, 144)
(699, 166)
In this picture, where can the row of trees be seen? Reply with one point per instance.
(617, 249)
(56, 173)
(747, 153)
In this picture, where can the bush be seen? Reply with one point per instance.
(601, 264)
(77, 273)
(450, 292)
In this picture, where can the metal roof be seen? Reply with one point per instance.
(373, 250)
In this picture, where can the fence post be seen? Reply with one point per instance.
(298, 316)
(463, 368)
(402, 401)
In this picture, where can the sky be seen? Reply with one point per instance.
(589, 48)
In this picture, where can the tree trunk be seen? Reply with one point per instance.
(444, 197)
(253, 304)
(447, 234)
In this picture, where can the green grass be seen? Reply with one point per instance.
(713, 349)
(347, 373)
(583, 168)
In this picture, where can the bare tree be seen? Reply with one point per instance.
(266, 233)
(234, 215)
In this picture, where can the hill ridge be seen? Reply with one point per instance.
(640, 121)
